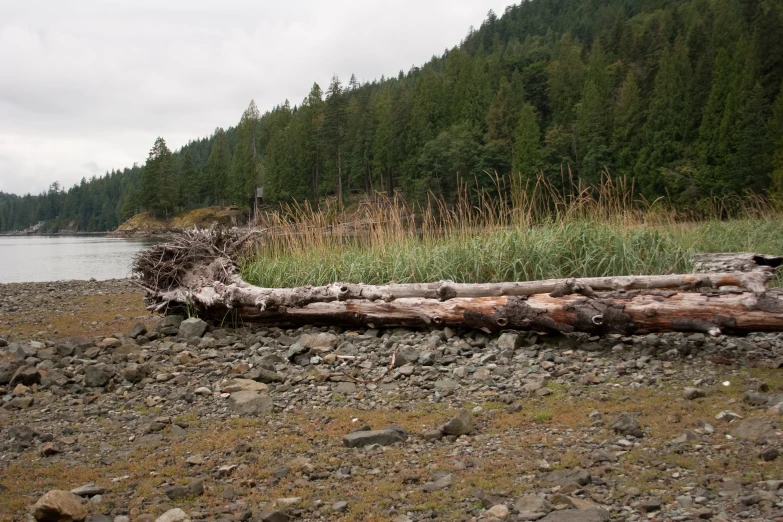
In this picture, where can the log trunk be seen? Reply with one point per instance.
(634, 312)
(196, 272)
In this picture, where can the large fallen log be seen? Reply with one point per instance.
(197, 271)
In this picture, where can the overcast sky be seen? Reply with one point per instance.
(87, 86)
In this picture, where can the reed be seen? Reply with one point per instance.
(534, 231)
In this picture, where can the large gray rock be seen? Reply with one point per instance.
(532, 504)
(385, 437)
(59, 506)
(756, 430)
(265, 376)
(193, 327)
(509, 341)
(26, 375)
(249, 402)
(625, 424)
(460, 424)
(563, 477)
(97, 375)
(137, 330)
(135, 372)
(8, 366)
(578, 515)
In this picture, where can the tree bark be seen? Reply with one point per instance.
(634, 312)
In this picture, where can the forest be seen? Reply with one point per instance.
(680, 97)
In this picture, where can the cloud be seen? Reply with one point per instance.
(87, 86)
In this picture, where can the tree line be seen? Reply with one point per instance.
(682, 96)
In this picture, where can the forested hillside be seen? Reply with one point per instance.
(683, 96)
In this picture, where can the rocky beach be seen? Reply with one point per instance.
(108, 413)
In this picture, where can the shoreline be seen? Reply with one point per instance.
(246, 423)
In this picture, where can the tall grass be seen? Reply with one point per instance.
(536, 232)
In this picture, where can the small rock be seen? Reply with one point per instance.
(692, 393)
(769, 454)
(97, 376)
(442, 483)
(500, 511)
(384, 437)
(563, 477)
(460, 424)
(173, 515)
(340, 506)
(650, 505)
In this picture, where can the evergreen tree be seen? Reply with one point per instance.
(775, 129)
(628, 116)
(527, 145)
(245, 165)
(334, 130)
(217, 168)
(670, 123)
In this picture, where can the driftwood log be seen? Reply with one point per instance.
(197, 271)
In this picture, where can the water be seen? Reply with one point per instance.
(55, 258)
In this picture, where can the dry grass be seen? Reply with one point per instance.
(533, 232)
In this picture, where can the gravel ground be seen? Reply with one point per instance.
(170, 420)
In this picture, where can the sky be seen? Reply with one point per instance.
(87, 86)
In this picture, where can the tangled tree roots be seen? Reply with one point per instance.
(191, 260)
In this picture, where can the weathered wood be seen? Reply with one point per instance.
(240, 294)
(632, 312)
(735, 262)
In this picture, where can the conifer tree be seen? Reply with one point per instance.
(217, 168)
(627, 122)
(334, 130)
(527, 145)
(245, 165)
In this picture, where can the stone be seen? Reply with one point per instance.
(8, 368)
(691, 393)
(340, 506)
(441, 483)
(193, 327)
(625, 424)
(273, 516)
(173, 515)
(563, 477)
(499, 511)
(319, 342)
(99, 518)
(509, 341)
(650, 505)
(26, 375)
(728, 416)
(533, 504)
(460, 424)
(248, 402)
(769, 454)
(446, 386)
(138, 330)
(59, 506)
(385, 437)
(578, 515)
(755, 429)
(263, 375)
(97, 376)
(135, 372)
(245, 385)
(295, 350)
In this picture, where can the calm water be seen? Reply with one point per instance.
(54, 258)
